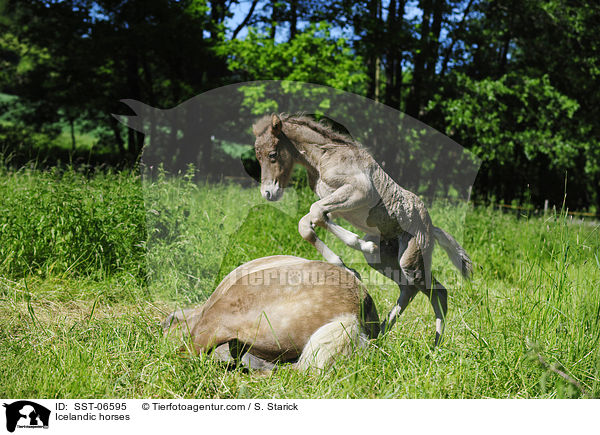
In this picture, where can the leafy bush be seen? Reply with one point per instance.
(62, 222)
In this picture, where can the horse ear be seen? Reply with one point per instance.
(275, 125)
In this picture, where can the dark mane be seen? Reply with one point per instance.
(323, 127)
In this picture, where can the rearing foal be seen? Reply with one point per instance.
(400, 236)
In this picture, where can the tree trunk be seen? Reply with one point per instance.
(245, 20)
(114, 125)
(133, 84)
(433, 45)
(393, 67)
(149, 80)
(390, 65)
(372, 46)
(503, 56)
(217, 15)
(458, 31)
(293, 18)
(413, 104)
(73, 143)
(273, 30)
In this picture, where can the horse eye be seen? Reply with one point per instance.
(273, 155)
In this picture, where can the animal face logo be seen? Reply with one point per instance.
(26, 414)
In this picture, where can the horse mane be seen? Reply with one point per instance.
(323, 127)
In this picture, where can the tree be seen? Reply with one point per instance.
(96, 53)
(313, 55)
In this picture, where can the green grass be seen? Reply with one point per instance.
(80, 300)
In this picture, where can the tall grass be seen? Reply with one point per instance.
(64, 223)
(80, 298)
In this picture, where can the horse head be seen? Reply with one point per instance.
(274, 153)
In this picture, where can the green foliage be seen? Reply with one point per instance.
(528, 134)
(18, 140)
(313, 56)
(501, 119)
(532, 65)
(72, 61)
(527, 71)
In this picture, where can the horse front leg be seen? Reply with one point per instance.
(307, 231)
(346, 198)
(350, 239)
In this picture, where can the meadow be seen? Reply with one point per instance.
(90, 264)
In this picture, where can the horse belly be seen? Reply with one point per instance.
(284, 325)
(358, 218)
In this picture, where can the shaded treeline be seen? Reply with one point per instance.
(513, 81)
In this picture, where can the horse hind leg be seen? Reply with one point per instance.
(438, 297)
(341, 336)
(416, 264)
(407, 293)
(387, 260)
(433, 289)
(401, 259)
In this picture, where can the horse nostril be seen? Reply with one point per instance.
(268, 195)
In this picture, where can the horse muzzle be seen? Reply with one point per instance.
(271, 191)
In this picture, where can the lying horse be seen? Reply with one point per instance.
(282, 309)
(400, 236)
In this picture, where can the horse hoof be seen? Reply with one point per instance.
(368, 247)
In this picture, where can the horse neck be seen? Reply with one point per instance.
(307, 145)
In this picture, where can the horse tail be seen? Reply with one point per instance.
(341, 336)
(457, 253)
